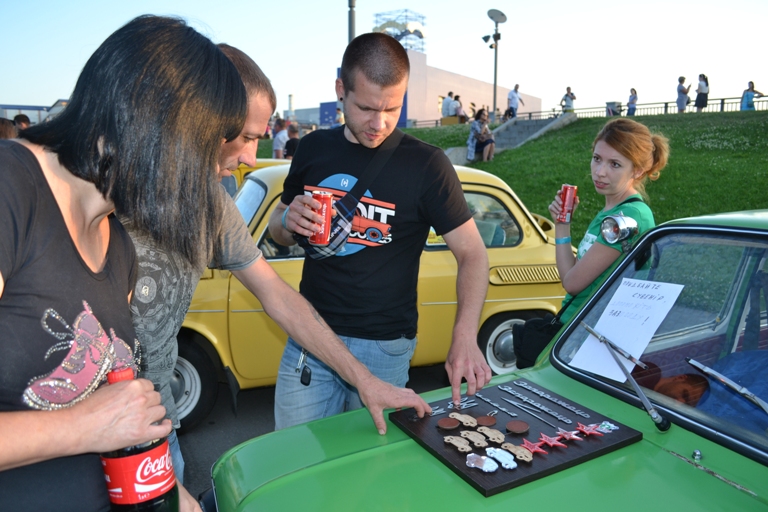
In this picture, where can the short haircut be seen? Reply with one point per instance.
(382, 60)
(21, 118)
(145, 125)
(254, 79)
(7, 129)
(279, 122)
(293, 128)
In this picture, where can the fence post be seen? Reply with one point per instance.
(666, 108)
(722, 104)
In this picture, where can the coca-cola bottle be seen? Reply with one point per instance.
(141, 477)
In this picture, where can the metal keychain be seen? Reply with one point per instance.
(306, 373)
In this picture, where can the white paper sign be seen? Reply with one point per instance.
(630, 320)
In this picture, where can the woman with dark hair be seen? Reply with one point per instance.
(702, 93)
(480, 140)
(749, 95)
(625, 154)
(141, 138)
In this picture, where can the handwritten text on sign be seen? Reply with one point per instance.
(630, 320)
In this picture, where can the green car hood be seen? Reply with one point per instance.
(341, 463)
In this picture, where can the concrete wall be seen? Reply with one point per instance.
(428, 85)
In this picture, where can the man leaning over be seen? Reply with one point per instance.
(166, 282)
(367, 292)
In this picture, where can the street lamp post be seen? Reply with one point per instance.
(497, 17)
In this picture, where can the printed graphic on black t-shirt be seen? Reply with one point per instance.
(372, 223)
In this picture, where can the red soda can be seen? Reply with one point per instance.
(568, 197)
(323, 237)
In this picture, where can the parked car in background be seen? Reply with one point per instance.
(233, 182)
(714, 456)
(227, 336)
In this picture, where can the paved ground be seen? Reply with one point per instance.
(223, 430)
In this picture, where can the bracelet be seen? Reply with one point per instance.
(564, 240)
(282, 220)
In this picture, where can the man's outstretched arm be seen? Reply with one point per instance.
(302, 322)
(465, 360)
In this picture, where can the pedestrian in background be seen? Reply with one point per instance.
(447, 104)
(567, 101)
(748, 97)
(292, 144)
(480, 142)
(22, 122)
(702, 93)
(7, 129)
(280, 138)
(632, 103)
(682, 95)
(513, 102)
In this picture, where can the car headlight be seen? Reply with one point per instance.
(617, 228)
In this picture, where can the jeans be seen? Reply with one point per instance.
(631, 110)
(328, 394)
(176, 458)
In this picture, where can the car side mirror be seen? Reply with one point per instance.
(618, 228)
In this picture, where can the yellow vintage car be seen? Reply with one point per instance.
(227, 336)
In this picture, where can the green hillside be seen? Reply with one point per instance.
(718, 163)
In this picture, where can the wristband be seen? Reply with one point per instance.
(564, 240)
(282, 220)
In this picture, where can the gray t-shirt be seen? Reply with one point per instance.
(164, 289)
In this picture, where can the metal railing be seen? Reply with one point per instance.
(642, 109)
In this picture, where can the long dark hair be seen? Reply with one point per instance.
(145, 125)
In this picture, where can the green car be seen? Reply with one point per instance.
(706, 382)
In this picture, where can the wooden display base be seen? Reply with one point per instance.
(426, 432)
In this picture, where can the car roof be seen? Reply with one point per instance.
(750, 219)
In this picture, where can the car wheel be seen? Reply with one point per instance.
(496, 341)
(194, 384)
(373, 234)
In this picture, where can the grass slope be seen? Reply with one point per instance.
(718, 163)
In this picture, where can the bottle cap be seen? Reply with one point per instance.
(125, 373)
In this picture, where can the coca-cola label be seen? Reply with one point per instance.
(139, 478)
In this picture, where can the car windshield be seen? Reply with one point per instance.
(718, 321)
(249, 197)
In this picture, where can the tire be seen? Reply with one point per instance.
(496, 342)
(373, 234)
(194, 384)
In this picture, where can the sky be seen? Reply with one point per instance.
(600, 48)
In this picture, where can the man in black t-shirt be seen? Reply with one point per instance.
(292, 144)
(367, 291)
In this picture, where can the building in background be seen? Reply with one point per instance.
(428, 86)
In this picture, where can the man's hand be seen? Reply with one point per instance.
(301, 218)
(465, 360)
(378, 395)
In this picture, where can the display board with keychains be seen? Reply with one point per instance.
(508, 435)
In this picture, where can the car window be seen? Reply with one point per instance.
(497, 227)
(249, 198)
(274, 251)
(718, 320)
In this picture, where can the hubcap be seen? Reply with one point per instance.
(186, 387)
